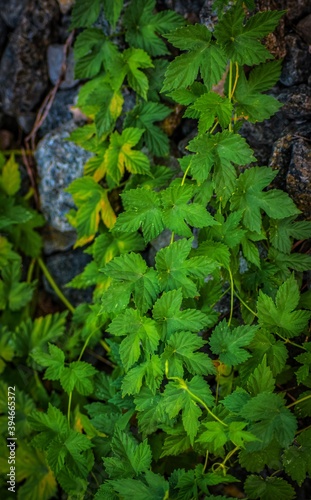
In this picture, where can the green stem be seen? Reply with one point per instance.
(184, 386)
(86, 343)
(230, 90)
(236, 79)
(19, 152)
(69, 407)
(245, 305)
(215, 125)
(105, 345)
(232, 452)
(30, 270)
(299, 401)
(205, 462)
(231, 296)
(287, 341)
(222, 295)
(56, 289)
(185, 174)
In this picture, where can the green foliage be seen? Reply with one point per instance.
(182, 377)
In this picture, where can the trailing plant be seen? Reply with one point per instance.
(203, 380)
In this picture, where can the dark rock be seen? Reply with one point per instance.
(23, 68)
(55, 58)
(298, 179)
(11, 11)
(295, 9)
(59, 112)
(304, 29)
(188, 8)
(3, 35)
(297, 63)
(65, 5)
(57, 241)
(64, 267)
(297, 102)
(26, 121)
(59, 162)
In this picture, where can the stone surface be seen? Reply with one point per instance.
(65, 5)
(59, 162)
(64, 267)
(57, 241)
(297, 102)
(55, 59)
(59, 112)
(304, 29)
(296, 66)
(23, 68)
(11, 11)
(298, 179)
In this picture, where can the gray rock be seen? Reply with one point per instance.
(59, 112)
(57, 241)
(11, 11)
(297, 63)
(297, 102)
(304, 29)
(3, 35)
(59, 162)
(23, 68)
(298, 179)
(189, 8)
(55, 59)
(64, 267)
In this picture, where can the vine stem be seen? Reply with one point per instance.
(244, 304)
(231, 296)
(30, 270)
(298, 401)
(56, 289)
(184, 386)
(69, 407)
(287, 341)
(230, 90)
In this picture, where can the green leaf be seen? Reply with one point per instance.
(169, 316)
(215, 251)
(54, 361)
(283, 231)
(13, 293)
(250, 198)
(143, 25)
(297, 458)
(132, 270)
(94, 51)
(10, 179)
(179, 353)
(175, 270)
(143, 116)
(40, 482)
(130, 65)
(6, 252)
(269, 488)
(251, 104)
(178, 397)
(120, 155)
(140, 332)
(229, 345)
(85, 13)
(49, 424)
(281, 314)
(175, 443)
(220, 151)
(142, 209)
(178, 211)
(271, 418)
(204, 56)
(157, 488)
(152, 370)
(304, 370)
(241, 41)
(129, 458)
(261, 380)
(112, 11)
(78, 375)
(255, 461)
(238, 435)
(211, 106)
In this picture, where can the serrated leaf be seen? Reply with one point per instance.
(261, 380)
(220, 152)
(143, 116)
(241, 41)
(281, 314)
(85, 13)
(229, 345)
(78, 375)
(177, 398)
(204, 56)
(143, 25)
(140, 332)
(169, 316)
(255, 461)
(54, 361)
(269, 488)
(132, 270)
(142, 209)
(10, 179)
(179, 353)
(297, 458)
(282, 231)
(112, 11)
(178, 211)
(250, 198)
(211, 106)
(175, 270)
(152, 370)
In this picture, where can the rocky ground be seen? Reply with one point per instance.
(35, 42)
